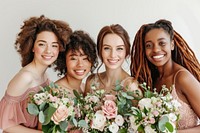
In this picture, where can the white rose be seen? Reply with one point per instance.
(133, 124)
(113, 128)
(145, 102)
(99, 121)
(119, 120)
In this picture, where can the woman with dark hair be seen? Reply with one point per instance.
(160, 56)
(39, 43)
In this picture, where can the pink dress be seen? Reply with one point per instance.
(13, 110)
(188, 118)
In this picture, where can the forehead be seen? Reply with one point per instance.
(112, 40)
(79, 52)
(156, 34)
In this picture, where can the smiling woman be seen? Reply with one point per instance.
(39, 43)
(166, 59)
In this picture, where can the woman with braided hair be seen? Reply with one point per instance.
(160, 56)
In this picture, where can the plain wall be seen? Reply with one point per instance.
(91, 16)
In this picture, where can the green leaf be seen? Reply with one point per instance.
(74, 121)
(82, 123)
(48, 114)
(123, 130)
(162, 122)
(41, 107)
(63, 125)
(33, 109)
(41, 117)
(169, 126)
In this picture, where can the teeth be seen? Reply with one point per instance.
(47, 57)
(113, 61)
(158, 56)
(80, 71)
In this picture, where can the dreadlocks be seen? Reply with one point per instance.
(144, 71)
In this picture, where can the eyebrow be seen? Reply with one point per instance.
(117, 45)
(45, 41)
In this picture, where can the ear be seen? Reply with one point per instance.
(33, 50)
(172, 45)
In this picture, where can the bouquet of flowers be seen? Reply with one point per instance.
(106, 113)
(54, 108)
(156, 112)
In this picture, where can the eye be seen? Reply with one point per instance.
(106, 48)
(41, 44)
(55, 45)
(73, 58)
(120, 49)
(162, 43)
(148, 45)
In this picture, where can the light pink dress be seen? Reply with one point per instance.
(188, 118)
(13, 110)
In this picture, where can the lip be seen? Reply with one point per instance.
(80, 72)
(47, 57)
(113, 61)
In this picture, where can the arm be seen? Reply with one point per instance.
(21, 129)
(190, 87)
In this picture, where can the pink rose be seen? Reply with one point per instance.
(60, 114)
(109, 108)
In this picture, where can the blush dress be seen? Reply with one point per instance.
(188, 118)
(13, 109)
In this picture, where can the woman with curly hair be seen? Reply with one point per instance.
(160, 56)
(39, 43)
(75, 63)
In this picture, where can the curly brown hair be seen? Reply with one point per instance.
(78, 40)
(32, 27)
(143, 70)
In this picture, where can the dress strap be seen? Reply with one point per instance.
(174, 80)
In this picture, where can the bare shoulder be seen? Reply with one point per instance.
(20, 83)
(186, 82)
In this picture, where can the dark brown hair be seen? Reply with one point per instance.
(143, 70)
(31, 28)
(78, 40)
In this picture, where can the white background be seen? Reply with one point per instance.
(91, 16)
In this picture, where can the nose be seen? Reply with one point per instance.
(156, 48)
(113, 53)
(80, 63)
(48, 49)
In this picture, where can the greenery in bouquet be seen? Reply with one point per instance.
(156, 112)
(54, 108)
(106, 113)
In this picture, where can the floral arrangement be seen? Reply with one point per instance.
(156, 112)
(54, 108)
(106, 113)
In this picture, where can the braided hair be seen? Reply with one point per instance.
(144, 71)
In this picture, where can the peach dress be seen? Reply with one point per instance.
(188, 118)
(13, 109)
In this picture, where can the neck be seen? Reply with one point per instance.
(166, 70)
(73, 83)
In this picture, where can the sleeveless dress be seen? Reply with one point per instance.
(188, 118)
(13, 109)
(96, 82)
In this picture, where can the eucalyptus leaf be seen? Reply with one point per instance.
(41, 117)
(41, 107)
(83, 123)
(33, 109)
(63, 125)
(48, 114)
(162, 123)
(169, 126)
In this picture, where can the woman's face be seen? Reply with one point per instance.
(46, 48)
(158, 47)
(113, 51)
(78, 65)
